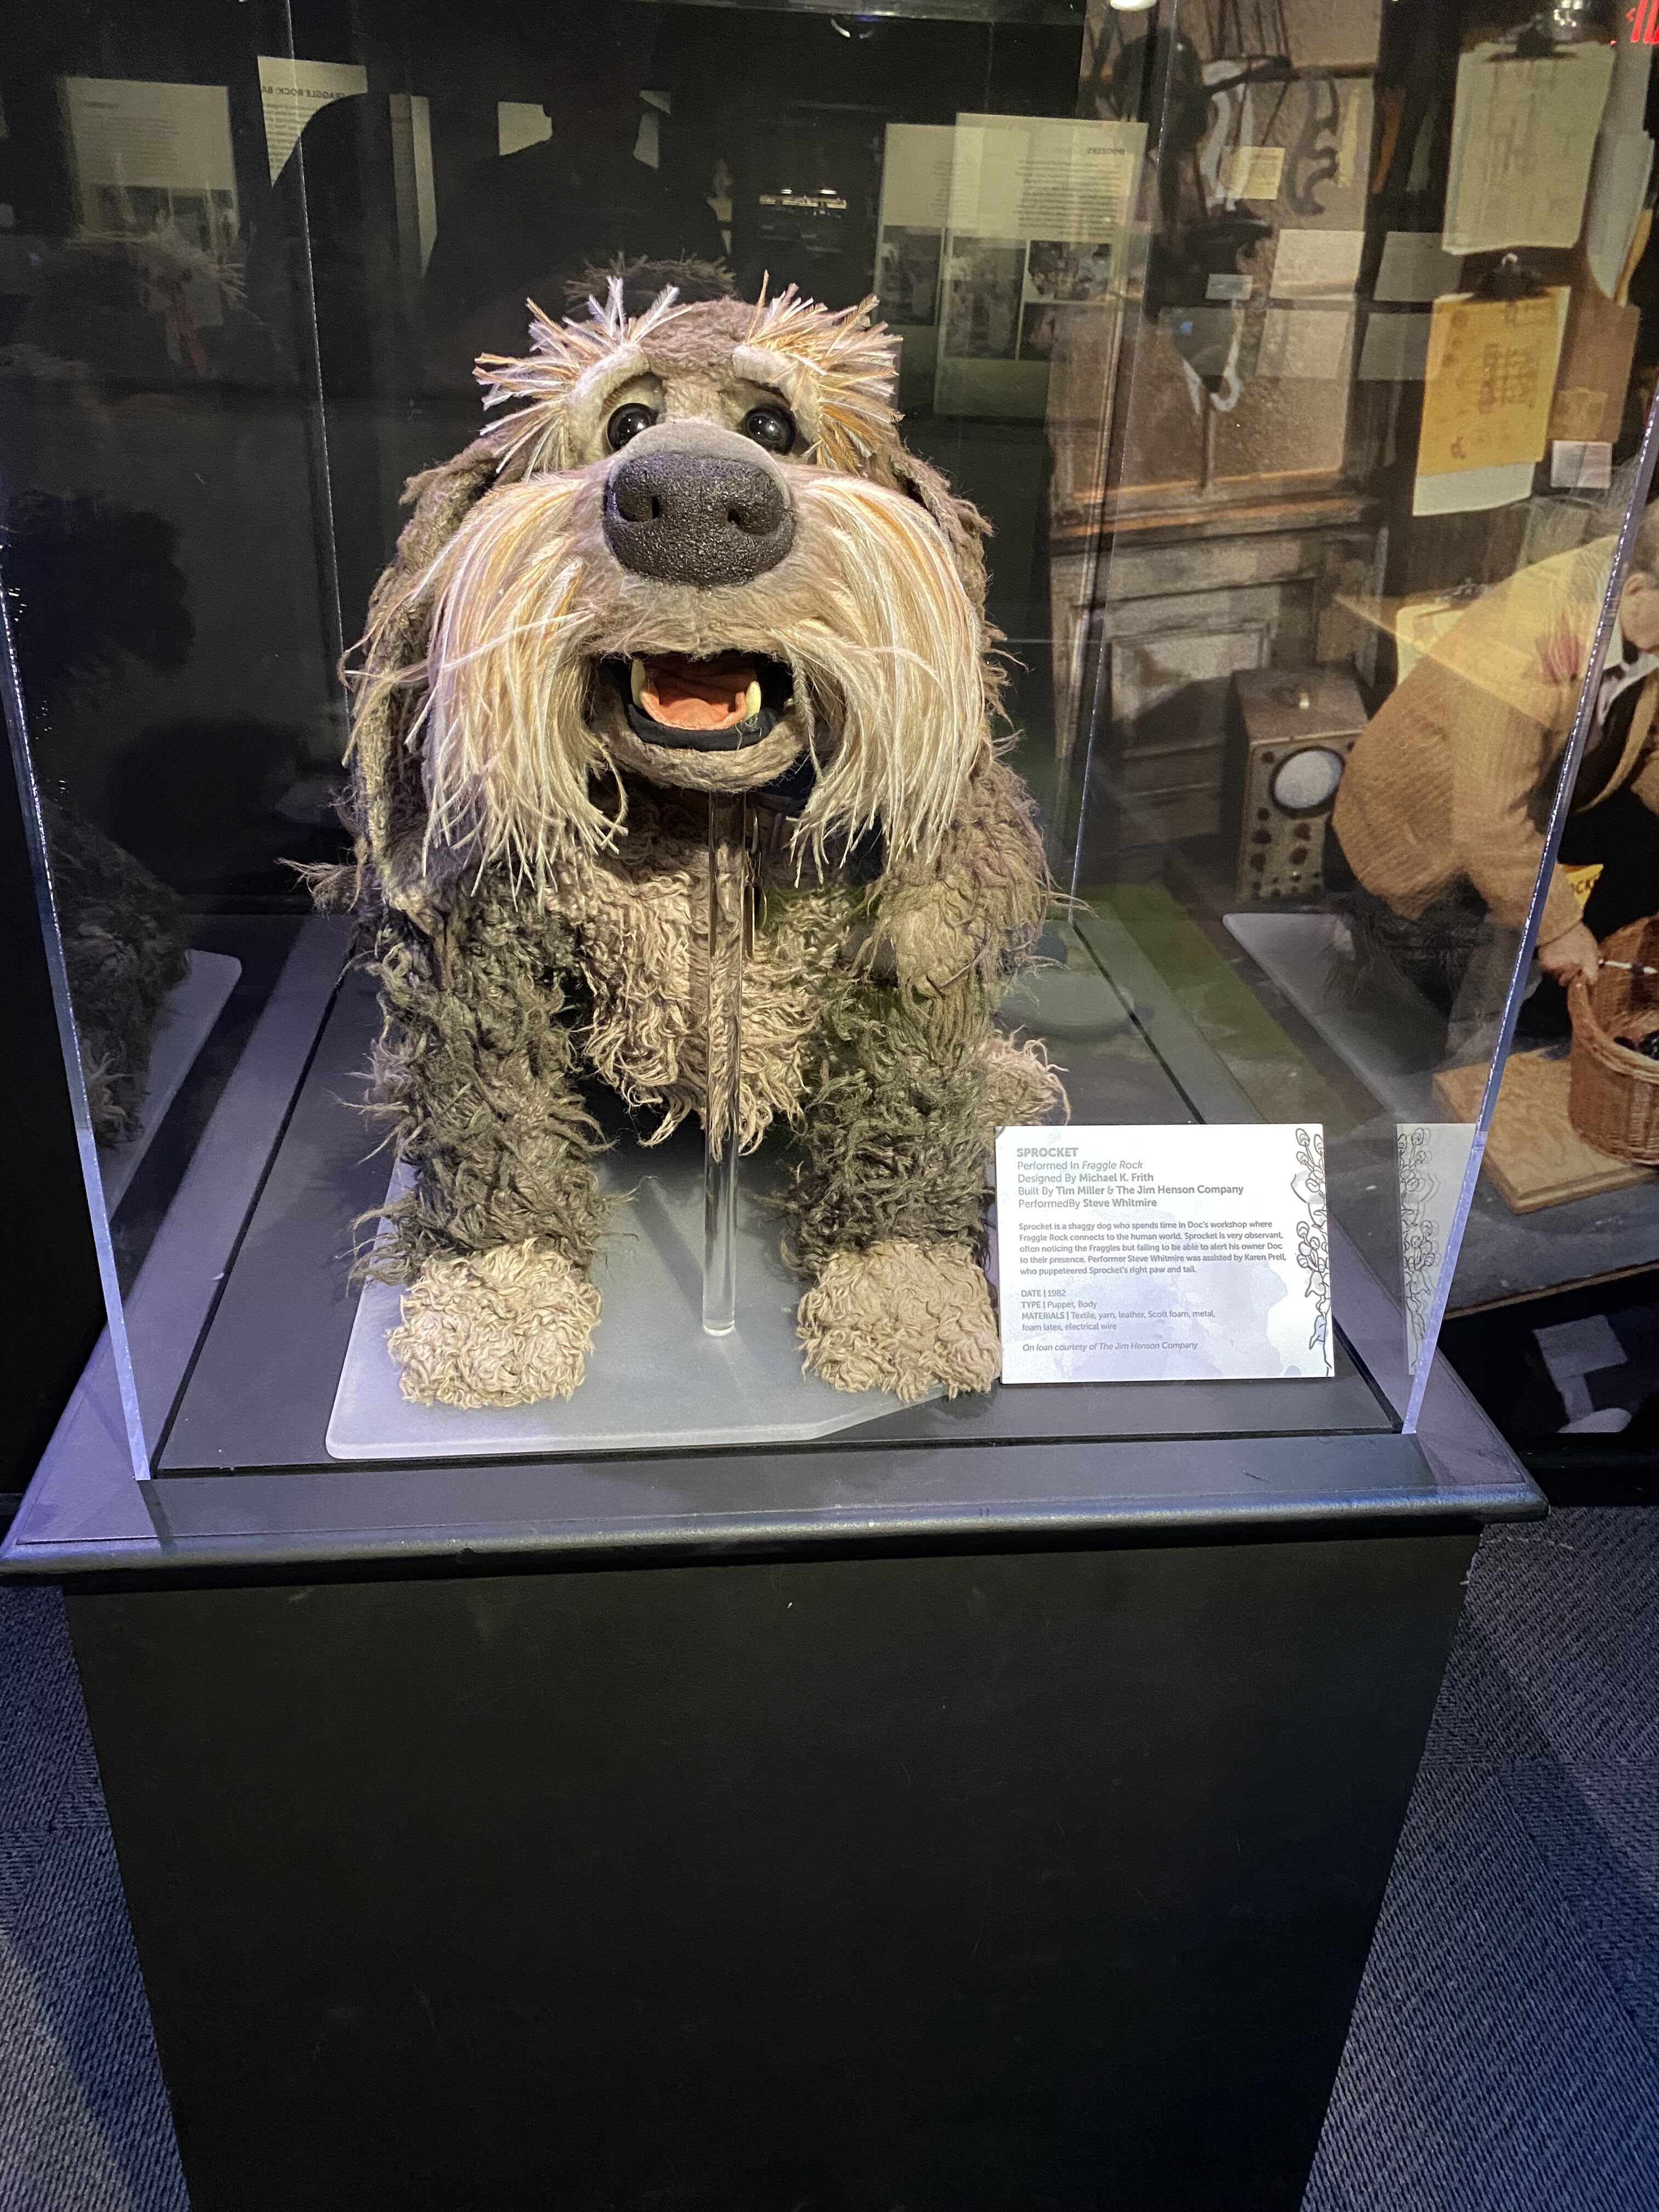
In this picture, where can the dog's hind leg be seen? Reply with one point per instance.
(476, 1071)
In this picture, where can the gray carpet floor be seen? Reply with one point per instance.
(1504, 2055)
(83, 2120)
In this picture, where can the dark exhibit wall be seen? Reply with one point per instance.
(168, 393)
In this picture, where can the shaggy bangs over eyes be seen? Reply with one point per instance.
(888, 652)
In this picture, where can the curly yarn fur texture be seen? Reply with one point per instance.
(503, 1328)
(532, 868)
(638, 911)
(900, 1316)
(475, 1073)
(124, 949)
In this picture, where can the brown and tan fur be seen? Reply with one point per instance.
(535, 874)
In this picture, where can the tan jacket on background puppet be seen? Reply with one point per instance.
(1452, 780)
(693, 558)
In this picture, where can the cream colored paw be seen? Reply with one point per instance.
(494, 1328)
(904, 1317)
(1025, 1087)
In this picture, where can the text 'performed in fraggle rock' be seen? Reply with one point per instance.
(1163, 1255)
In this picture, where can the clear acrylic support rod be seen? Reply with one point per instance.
(728, 915)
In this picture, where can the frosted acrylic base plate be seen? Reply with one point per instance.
(654, 1381)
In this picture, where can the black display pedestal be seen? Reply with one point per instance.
(959, 1879)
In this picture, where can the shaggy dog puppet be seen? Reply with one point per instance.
(693, 558)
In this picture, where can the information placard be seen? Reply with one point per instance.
(1163, 1255)
(1035, 253)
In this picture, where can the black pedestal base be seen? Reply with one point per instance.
(958, 1883)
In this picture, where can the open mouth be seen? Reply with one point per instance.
(718, 703)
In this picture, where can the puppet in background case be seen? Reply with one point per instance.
(92, 586)
(694, 558)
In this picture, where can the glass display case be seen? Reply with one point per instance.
(644, 641)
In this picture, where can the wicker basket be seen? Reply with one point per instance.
(1614, 1100)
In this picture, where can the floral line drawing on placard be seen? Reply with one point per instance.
(1420, 1248)
(1313, 1250)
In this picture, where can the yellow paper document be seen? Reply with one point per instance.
(1252, 172)
(1488, 385)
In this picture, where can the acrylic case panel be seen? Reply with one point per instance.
(1348, 587)
(1175, 309)
(172, 621)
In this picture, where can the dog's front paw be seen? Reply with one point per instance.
(494, 1328)
(904, 1317)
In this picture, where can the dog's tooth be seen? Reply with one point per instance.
(636, 679)
(751, 703)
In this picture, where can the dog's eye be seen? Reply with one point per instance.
(771, 427)
(627, 423)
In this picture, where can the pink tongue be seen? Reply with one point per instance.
(697, 694)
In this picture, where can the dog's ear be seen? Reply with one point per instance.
(565, 379)
(838, 371)
(960, 523)
(387, 806)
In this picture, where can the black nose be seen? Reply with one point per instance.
(690, 516)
